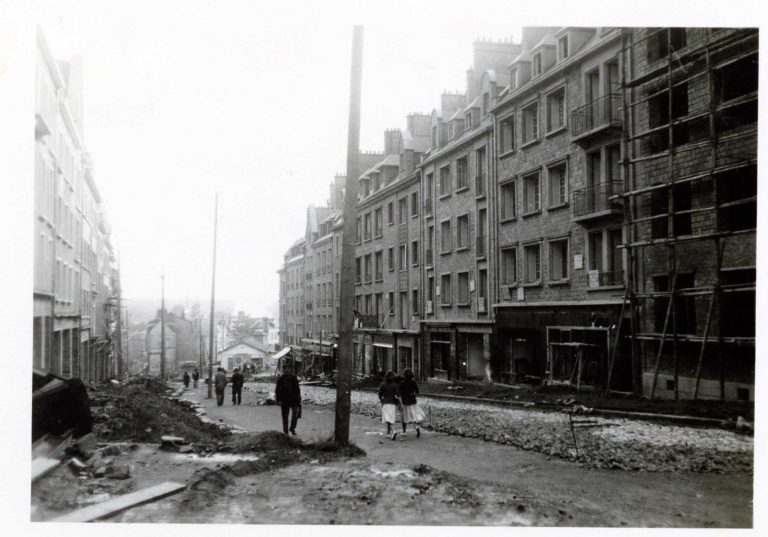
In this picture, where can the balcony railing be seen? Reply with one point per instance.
(480, 246)
(601, 113)
(370, 321)
(594, 200)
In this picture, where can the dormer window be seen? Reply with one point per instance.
(513, 79)
(537, 64)
(434, 136)
(451, 131)
(468, 121)
(486, 103)
(562, 48)
(376, 181)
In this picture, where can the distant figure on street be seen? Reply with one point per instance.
(195, 377)
(220, 382)
(288, 395)
(411, 412)
(389, 401)
(186, 379)
(237, 386)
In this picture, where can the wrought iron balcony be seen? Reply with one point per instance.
(606, 279)
(596, 116)
(594, 201)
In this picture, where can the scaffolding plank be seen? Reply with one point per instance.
(121, 503)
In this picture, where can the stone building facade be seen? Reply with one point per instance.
(584, 212)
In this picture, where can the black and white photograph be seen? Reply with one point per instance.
(415, 264)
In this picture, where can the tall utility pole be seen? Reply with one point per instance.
(200, 351)
(213, 298)
(162, 327)
(346, 298)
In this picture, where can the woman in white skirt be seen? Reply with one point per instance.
(389, 402)
(412, 412)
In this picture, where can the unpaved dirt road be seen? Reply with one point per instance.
(584, 497)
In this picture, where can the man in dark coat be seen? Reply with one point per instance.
(186, 379)
(237, 386)
(195, 378)
(288, 395)
(220, 382)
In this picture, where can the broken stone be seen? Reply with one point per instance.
(121, 471)
(111, 451)
(76, 465)
(186, 449)
(100, 472)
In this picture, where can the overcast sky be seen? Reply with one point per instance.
(185, 99)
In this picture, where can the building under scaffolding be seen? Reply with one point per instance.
(690, 209)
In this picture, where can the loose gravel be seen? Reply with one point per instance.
(601, 442)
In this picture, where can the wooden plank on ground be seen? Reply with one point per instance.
(121, 503)
(42, 465)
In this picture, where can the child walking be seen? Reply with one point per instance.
(389, 401)
(412, 412)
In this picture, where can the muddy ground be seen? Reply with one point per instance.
(265, 477)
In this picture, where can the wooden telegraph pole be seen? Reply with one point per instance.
(162, 327)
(211, 335)
(346, 292)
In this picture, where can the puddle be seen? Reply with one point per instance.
(215, 457)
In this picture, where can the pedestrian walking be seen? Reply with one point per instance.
(185, 378)
(411, 410)
(195, 377)
(220, 382)
(237, 386)
(389, 401)
(288, 396)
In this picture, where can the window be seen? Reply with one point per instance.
(434, 135)
(513, 78)
(367, 227)
(462, 288)
(402, 209)
(359, 230)
(377, 222)
(402, 260)
(531, 190)
(415, 302)
(684, 307)
(562, 48)
(556, 110)
(532, 263)
(480, 165)
(446, 294)
(509, 266)
(508, 201)
(462, 232)
(557, 185)
(428, 194)
(461, 173)
(737, 189)
(605, 257)
(537, 64)
(415, 252)
(368, 263)
(445, 237)
(390, 213)
(558, 260)
(430, 245)
(480, 243)
(430, 288)
(414, 204)
(507, 134)
(660, 40)
(530, 123)
(486, 103)
(358, 270)
(743, 324)
(468, 121)
(444, 185)
(379, 265)
(391, 258)
(376, 181)
(738, 79)
(482, 289)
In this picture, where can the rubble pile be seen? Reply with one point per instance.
(601, 442)
(134, 412)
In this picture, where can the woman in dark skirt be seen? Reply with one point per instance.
(412, 412)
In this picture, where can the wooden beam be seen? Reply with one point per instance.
(121, 503)
(43, 465)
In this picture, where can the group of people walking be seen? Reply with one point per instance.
(396, 392)
(400, 392)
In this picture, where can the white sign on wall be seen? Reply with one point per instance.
(521, 293)
(578, 261)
